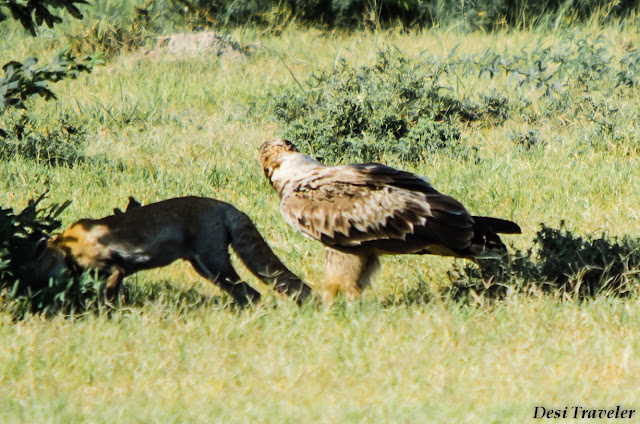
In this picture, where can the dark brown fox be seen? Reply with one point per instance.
(196, 229)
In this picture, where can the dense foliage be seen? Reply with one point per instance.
(478, 14)
(20, 233)
(411, 109)
(395, 106)
(559, 261)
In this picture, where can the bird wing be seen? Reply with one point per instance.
(376, 206)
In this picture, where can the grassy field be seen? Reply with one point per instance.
(158, 125)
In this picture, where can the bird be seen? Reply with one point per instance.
(362, 211)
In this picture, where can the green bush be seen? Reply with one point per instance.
(559, 262)
(23, 136)
(396, 107)
(409, 108)
(23, 80)
(473, 14)
(20, 234)
(71, 296)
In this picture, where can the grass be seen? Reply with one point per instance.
(162, 126)
(432, 364)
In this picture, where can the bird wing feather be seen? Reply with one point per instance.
(348, 206)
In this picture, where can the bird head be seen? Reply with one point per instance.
(271, 154)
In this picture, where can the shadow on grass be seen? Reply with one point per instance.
(421, 294)
(558, 263)
(84, 295)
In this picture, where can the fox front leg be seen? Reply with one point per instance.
(114, 283)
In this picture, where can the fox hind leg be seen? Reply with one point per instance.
(222, 274)
(258, 257)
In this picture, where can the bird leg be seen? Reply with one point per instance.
(348, 273)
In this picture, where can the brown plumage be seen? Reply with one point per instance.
(362, 211)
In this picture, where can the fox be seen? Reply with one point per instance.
(196, 229)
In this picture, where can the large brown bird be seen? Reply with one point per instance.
(362, 211)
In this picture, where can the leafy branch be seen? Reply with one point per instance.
(19, 233)
(34, 13)
(25, 79)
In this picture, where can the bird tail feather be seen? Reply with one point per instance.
(486, 243)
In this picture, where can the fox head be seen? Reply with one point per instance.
(48, 261)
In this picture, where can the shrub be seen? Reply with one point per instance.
(395, 107)
(411, 107)
(19, 133)
(559, 262)
(478, 14)
(20, 234)
(23, 80)
(70, 296)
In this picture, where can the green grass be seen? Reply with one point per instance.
(431, 364)
(162, 126)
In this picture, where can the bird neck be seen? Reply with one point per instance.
(293, 168)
